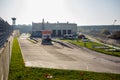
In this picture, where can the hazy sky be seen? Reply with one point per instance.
(82, 12)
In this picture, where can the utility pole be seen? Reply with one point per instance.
(113, 26)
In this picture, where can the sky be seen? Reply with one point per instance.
(82, 12)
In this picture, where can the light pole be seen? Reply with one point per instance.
(114, 22)
(113, 26)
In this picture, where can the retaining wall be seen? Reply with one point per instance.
(5, 56)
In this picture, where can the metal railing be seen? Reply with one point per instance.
(5, 31)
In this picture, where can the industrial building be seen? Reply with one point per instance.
(57, 29)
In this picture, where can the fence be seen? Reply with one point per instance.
(5, 48)
(5, 31)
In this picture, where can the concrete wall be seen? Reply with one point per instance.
(5, 55)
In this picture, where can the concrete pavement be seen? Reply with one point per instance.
(61, 57)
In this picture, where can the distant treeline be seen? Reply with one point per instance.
(24, 28)
(111, 28)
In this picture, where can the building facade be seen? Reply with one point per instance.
(57, 29)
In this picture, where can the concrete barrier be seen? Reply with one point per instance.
(62, 43)
(5, 56)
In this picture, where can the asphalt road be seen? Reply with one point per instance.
(60, 57)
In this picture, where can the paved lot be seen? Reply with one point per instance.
(61, 57)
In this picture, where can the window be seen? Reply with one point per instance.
(53, 33)
(59, 33)
(69, 31)
(64, 32)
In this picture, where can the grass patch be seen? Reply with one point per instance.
(18, 71)
(90, 45)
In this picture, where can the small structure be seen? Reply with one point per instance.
(13, 21)
(46, 37)
(81, 36)
(46, 34)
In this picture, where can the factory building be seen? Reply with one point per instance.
(57, 29)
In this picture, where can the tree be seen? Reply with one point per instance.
(115, 35)
(105, 32)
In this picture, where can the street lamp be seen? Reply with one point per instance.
(114, 22)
